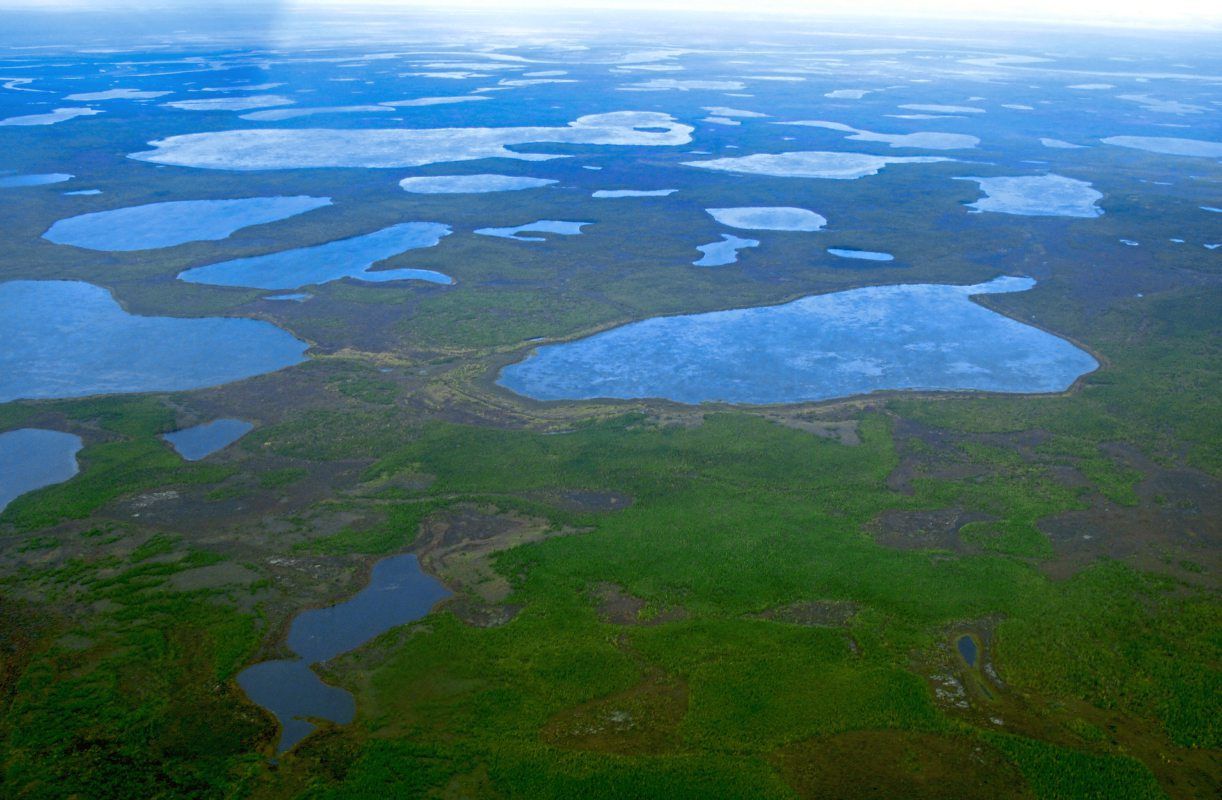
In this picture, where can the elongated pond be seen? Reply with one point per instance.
(398, 592)
(914, 336)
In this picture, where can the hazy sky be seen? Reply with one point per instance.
(1189, 13)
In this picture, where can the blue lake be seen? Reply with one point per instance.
(31, 458)
(71, 339)
(919, 336)
(177, 222)
(346, 258)
(398, 593)
(204, 440)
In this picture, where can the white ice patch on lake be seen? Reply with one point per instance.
(1168, 145)
(607, 194)
(435, 101)
(276, 148)
(676, 84)
(1037, 196)
(231, 103)
(848, 94)
(52, 118)
(723, 111)
(176, 222)
(922, 140)
(1162, 106)
(1060, 144)
(811, 164)
(934, 108)
(277, 114)
(760, 218)
(114, 94)
(470, 184)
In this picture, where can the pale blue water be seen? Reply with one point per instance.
(204, 440)
(167, 224)
(718, 254)
(346, 258)
(71, 339)
(398, 592)
(862, 255)
(556, 226)
(17, 181)
(31, 458)
(921, 336)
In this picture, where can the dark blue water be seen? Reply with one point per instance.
(204, 440)
(967, 649)
(398, 592)
(32, 458)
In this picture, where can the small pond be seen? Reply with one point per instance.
(398, 593)
(203, 440)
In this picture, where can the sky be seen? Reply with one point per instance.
(1151, 13)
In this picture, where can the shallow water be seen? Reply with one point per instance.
(31, 458)
(167, 224)
(203, 440)
(71, 339)
(918, 336)
(862, 255)
(555, 226)
(398, 593)
(17, 181)
(346, 258)
(718, 254)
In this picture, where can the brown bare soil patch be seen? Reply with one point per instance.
(899, 764)
(823, 613)
(925, 530)
(643, 719)
(459, 545)
(620, 608)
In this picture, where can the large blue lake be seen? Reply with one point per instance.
(31, 458)
(71, 339)
(919, 336)
(398, 592)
